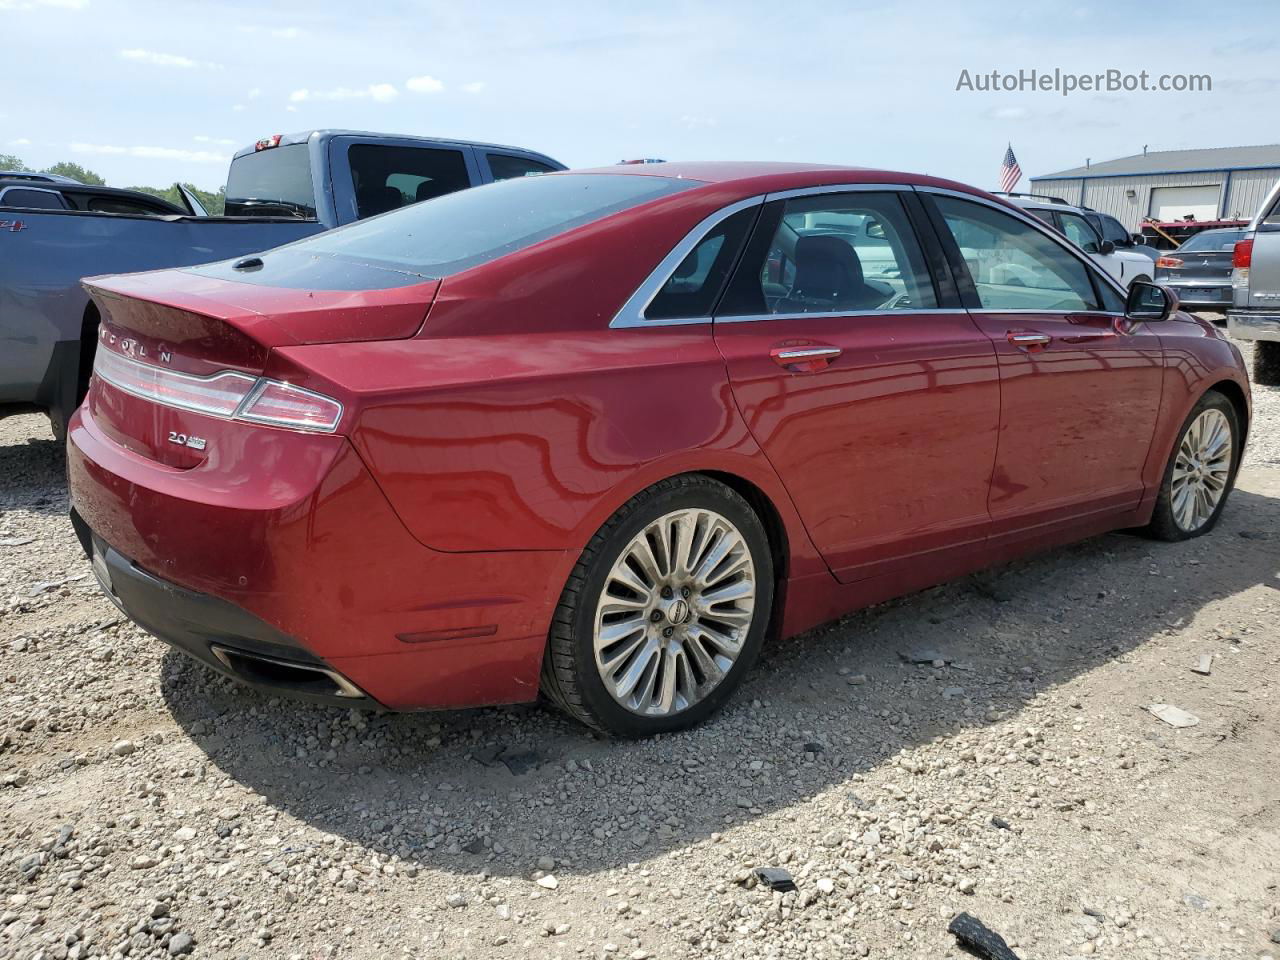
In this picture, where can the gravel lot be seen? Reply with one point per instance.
(149, 808)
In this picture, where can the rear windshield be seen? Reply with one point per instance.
(1215, 240)
(460, 230)
(272, 183)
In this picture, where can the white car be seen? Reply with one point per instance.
(1125, 266)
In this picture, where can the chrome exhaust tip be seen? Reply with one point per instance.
(288, 675)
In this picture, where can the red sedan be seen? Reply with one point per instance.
(598, 434)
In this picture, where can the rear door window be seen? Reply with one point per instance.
(504, 166)
(387, 178)
(835, 253)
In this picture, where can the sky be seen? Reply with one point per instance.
(152, 92)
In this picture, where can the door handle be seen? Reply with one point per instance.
(1028, 341)
(806, 358)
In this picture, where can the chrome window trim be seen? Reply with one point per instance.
(1019, 214)
(632, 312)
(837, 188)
(837, 314)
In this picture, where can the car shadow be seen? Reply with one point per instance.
(33, 476)
(495, 789)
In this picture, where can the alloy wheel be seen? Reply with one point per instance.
(675, 612)
(1201, 470)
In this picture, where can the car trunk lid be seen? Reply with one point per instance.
(178, 351)
(1213, 265)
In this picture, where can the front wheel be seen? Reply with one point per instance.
(1200, 472)
(665, 611)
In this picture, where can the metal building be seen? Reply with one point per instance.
(1213, 184)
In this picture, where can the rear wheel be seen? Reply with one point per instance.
(664, 613)
(1266, 363)
(1200, 472)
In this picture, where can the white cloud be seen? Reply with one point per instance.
(280, 33)
(221, 141)
(20, 142)
(150, 153)
(475, 86)
(382, 92)
(255, 93)
(157, 59)
(238, 107)
(33, 4)
(291, 108)
(690, 122)
(1010, 113)
(424, 84)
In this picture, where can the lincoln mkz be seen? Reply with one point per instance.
(598, 435)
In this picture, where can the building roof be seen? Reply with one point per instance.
(1176, 161)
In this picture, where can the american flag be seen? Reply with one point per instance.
(1010, 172)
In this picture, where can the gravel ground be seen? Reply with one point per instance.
(151, 809)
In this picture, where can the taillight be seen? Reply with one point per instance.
(219, 395)
(1168, 262)
(229, 395)
(1242, 254)
(284, 405)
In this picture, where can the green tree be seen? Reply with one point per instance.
(214, 203)
(9, 162)
(65, 168)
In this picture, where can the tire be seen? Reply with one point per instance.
(1171, 520)
(1266, 363)
(651, 621)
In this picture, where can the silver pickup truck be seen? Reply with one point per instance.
(1255, 290)
(280, 189)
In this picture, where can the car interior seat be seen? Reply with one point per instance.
(829, 277)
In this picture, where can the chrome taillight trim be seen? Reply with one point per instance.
(114, 368)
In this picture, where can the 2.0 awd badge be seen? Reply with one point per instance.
(186, 440)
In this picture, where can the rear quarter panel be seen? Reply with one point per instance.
(531, 441)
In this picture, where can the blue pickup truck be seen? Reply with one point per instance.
(281, 189)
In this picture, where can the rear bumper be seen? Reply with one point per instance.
(219, 634)
(293, 553)
(1253, 325)
(1211, 293)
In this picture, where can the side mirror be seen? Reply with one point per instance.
(1150, 301)
(1106, 247)
(1139, 239)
